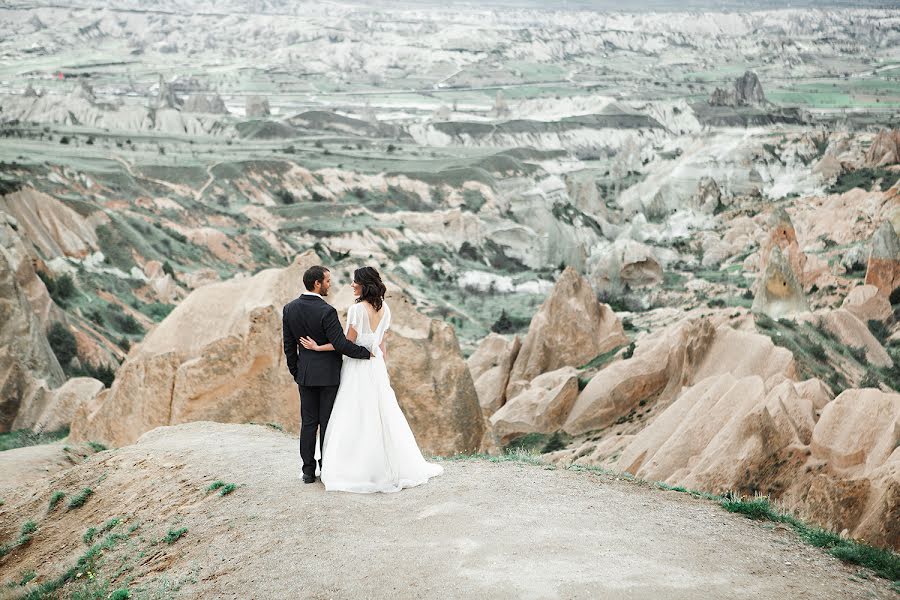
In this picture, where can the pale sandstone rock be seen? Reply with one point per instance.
(665, 362)
(885, 149)
(56, 409)
(859, 489)
(625, 263)
(218, 357)
(539, 408)
(867, 304)
(53, 228)
(726, 433)
(569, 329)
(27, 363)
(779, 293)
(883, 270)
(490, 366)
(853, 332)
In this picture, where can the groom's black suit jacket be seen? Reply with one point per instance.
(311, 316)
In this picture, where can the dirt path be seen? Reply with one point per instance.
(482, 530)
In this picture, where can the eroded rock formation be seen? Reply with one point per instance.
(215, 357)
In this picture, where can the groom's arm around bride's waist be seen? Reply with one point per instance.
(336, 336)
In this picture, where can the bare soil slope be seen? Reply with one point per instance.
(482, 530)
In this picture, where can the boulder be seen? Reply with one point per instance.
(218, 357)
(625, 262)
(570, 328)
(490, 366)
(867, 304)
(747, 92)
(677, 356)
(708, 198)
(52, 227)
(853, 332)
(432, 382)
(883, 270)
(783, 235)
(729, 434)
(885, 149)
(28, 366)
(541, 407)
(778, 292)
(53, 410)
(856, 482)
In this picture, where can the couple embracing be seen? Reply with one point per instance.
(365, 442)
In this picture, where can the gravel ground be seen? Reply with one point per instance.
(481, 530)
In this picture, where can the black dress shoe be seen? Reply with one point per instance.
(309, 479)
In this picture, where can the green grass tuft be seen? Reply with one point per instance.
(56, 498)
(174, 535)
(89, 535)
(96, 446)
(28, 528)
(81, 498)
(882, 562)
(215, 485)
(227, 489)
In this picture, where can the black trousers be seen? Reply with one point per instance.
(315, 410)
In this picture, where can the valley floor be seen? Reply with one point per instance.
(482, 530)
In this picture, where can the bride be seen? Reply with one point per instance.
(368, 444)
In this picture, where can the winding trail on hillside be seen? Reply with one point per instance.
(481, 530)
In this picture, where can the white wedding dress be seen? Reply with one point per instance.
(368, 444)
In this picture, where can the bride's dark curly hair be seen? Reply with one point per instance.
(373, 289)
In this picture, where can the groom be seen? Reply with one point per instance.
(317, 373)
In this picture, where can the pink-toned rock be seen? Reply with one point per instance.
(56, 409)
(539, 408)
(677, 356)
(885, 149)
(490, 366)
(28, 366)
(883, 270)
(860, 429)
(868, 304)
(218, 357)
(53, 228)
(571, 328)
(853, 332)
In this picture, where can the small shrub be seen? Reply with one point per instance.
(56, 498)
(285, 196)
(629, 351)
(64, 139)
(62, 342)
(227, 489)
(174, 535)
(858, 353)
(870, 380)
(97, 446)
(817, 351)
(120, 594)
(28, 528)
(508, 324)
(895, 296)
(89, 535)
(215, 485)
(879, 330)
(79, 500)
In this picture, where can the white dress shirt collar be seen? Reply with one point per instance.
(311, 294)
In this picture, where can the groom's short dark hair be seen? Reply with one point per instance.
(312, 275)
